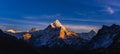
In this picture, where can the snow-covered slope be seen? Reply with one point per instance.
(56, 35)
(88, 35)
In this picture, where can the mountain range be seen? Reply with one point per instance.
(58, 38)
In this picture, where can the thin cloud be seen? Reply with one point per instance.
(93, 20)
(24, 21)
(45, 16)
(22, 27)
(81, 14)
(110, 6)
(28, 24)
(82, 27)
(21, 24)
(115, 3)
(109, 2)
(110, 10)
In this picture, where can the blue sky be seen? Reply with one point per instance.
(76, 15)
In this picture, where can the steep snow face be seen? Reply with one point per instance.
(105, 36)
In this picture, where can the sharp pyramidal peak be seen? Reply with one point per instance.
(56, 24)
(62, 30)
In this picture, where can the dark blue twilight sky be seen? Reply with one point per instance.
(77, 15)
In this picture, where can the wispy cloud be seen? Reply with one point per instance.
(26, 24)
(81, 14)
(22, 27)
(115, 3)
(82, 28)
(21, 24)
(94, 20)
(29, 24)
(110, 6)
(44, 16)
(110, 10)
(24, 21)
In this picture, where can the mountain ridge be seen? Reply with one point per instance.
(56, 36)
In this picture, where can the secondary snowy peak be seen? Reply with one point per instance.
(34, 30)
(87, 35)
(12, 31)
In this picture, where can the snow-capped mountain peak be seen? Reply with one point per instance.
(57, 28)
(56, 24)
